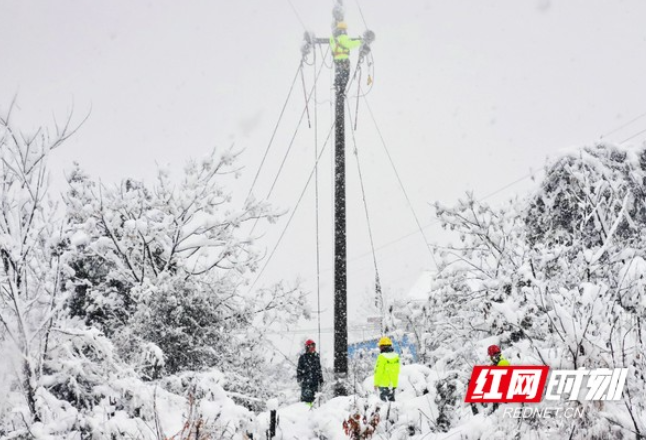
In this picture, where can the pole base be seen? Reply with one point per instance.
(340, 386)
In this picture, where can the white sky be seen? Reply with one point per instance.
(470, 95)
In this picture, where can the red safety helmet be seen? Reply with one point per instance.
(309, 342)
(493, 350)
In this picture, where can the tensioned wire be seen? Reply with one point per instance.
(420, 228)
(300, 198)
(273, 135)
(497, 191)
(317, 157)
(367, 214)
(401, 184)
(316, 201)
(310, 175)
(291, 143)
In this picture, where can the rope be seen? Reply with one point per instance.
(300, 198)
(361, 13)
(371, 75)
(253, 228)
(323, 56)
(298, 17)
(316, 198)
(291, 142)
(307, 107)
(271, 140)
(401, 185)
(378, 293)
(356, 111)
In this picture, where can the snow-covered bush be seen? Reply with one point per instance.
(556, 278)
(32, 263)
(163, 271)
(104, 302)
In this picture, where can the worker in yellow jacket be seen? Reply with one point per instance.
(497, 359)
(341, 44)
(387, 370)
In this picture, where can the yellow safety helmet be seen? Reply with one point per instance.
(385, 341)
(342, 25)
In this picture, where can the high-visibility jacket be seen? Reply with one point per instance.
(502, 362)
(341, 46)
(387, 370)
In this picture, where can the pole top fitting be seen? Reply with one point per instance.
(368, 37)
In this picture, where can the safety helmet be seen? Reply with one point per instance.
(309, 342)
(493, 350)
(342, 25)
(385, 341)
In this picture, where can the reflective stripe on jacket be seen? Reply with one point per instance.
(387, 370)
(341, 46)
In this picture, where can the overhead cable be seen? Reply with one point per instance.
(291, 142)
(300, 198)
(298, 17)
(401, 184)
(271, 140)
(623, 125)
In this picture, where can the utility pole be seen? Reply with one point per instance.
(341, 77)
(340, 241)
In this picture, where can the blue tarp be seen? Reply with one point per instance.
(371, 344)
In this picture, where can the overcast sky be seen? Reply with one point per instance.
(469, 95)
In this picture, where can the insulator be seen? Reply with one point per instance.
(368, 36)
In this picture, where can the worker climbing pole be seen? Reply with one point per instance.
(341, 44)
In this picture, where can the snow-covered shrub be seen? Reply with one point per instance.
(162, 270)
(556, 278)
(32, 263)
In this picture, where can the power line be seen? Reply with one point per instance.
(328, 330)
(309, 178)
(316, 201)
(271, 140)
(428, 225)
(378, 294)
(292, 140)
(401, 184)
(298, 17)
(361, 13)
(623, 125)
(291, 143)
(300, 198)
(633, 136)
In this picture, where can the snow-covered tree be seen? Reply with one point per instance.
(163, 270)
(51, 365)
(31, 266)
(556, 279)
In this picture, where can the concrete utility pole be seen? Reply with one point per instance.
(340, 241)
(341, 77)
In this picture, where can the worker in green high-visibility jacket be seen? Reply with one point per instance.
(341, 45)
(387, 370)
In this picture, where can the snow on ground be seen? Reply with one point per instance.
(412, 416)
